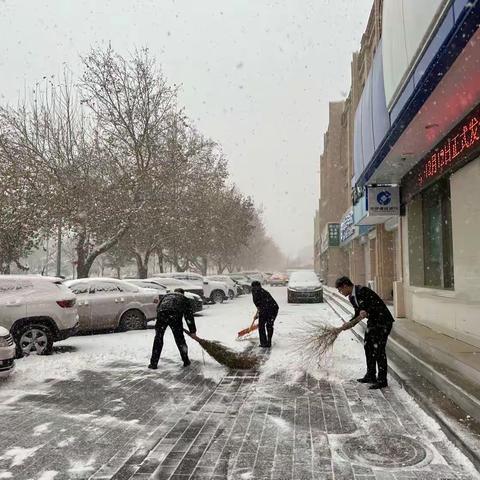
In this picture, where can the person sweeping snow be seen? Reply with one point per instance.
(368, 304)
(170, 312)
(267, 311)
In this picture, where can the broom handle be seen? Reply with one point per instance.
(351, 323)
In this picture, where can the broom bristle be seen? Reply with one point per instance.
(316, 341)
(228, 357)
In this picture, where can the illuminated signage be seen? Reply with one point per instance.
(347, 227)
(448, 155)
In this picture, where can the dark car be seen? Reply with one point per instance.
(304, 285)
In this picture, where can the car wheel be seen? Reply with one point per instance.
(217, 296)
(34, 338)
(132, 320)
(231, 294)
(320, 298)
(289, 298)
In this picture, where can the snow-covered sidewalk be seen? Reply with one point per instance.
(93, 410)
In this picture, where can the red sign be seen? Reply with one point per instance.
(457, 148)
(463, 139)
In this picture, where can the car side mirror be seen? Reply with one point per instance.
(205, 282)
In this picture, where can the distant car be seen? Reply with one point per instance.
(173, 283)
(304, 285)
(213, 291)
(243, 281)
(233, 287)
(255, 275)
(112, 304)
(196, 300)
(7, 353)
(37, 311)
(278, 279)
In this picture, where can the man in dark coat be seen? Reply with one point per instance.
(368, 304)
(170, 312)
(267, 311)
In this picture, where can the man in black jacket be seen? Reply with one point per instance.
(368, 304)
(172, 308)
(267, 311)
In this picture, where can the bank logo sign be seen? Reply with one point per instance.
(384, 197)
(383, 201)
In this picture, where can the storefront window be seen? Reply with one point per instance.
(430, 238)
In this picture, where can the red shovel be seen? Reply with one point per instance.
(248, 330)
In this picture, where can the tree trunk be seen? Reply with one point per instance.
(142, 264)
(84, 261)
(160, 260)
(119, 272)
(204, 265)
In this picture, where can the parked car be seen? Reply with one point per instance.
(278, 279)
(233, 287)
(243, 281)
(7, 353)
(304, 285)
(112, 304)
(213, 291)
(37, 311)
(162, 290)
(173, 283)
(255, 275)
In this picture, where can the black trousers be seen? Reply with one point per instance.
(265, 327)
(374, 343)
(173, 321)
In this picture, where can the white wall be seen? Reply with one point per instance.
(455, 313)
(406, 23)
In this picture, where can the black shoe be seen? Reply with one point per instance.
(378, 385)
(152, 367)
(186, 363)
(263, 346)
(367, 379)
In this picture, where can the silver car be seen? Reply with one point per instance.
(112, 304)
(304, 285)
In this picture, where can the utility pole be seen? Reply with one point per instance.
(59, 250)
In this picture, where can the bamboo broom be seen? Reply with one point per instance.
(317, 340)
(226, 356)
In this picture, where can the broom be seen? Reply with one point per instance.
(317, 340)
(226, 356)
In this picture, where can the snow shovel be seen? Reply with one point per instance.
(248, 330)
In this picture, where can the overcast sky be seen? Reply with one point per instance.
(256, 76)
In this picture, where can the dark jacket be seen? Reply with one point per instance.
(366, 299)
(176, 305)
(264, 302)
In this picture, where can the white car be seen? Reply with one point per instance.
(213, 291)
(231, 284)
(37, 311)
(112, 304)
(7, 353)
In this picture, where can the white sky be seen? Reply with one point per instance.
(256, 76)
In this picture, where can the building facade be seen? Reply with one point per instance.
(416, 182)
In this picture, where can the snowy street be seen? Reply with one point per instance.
(93, 410)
